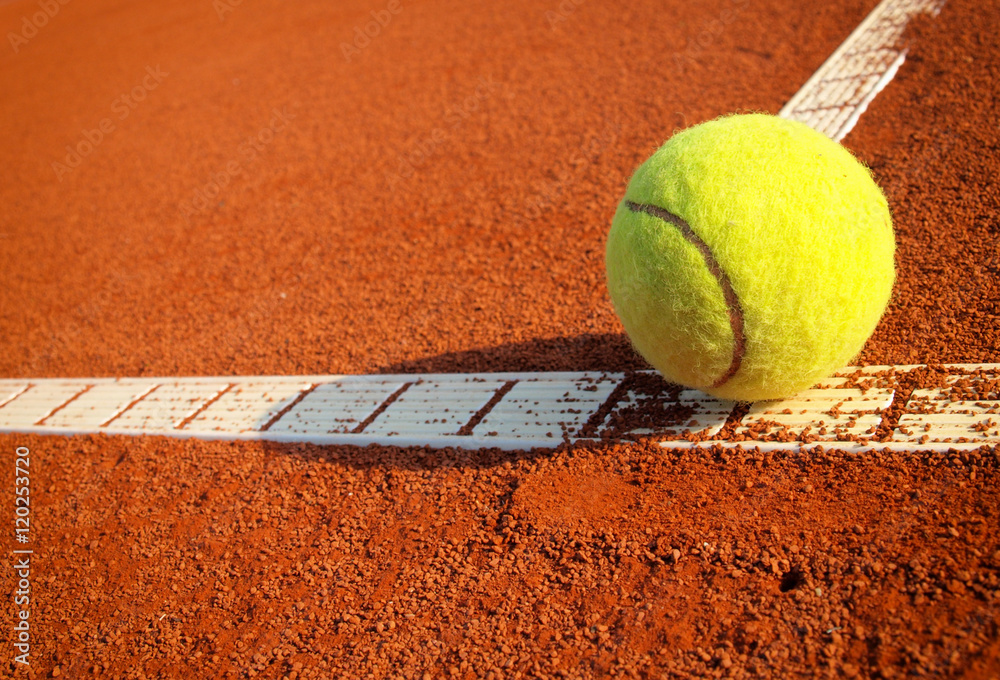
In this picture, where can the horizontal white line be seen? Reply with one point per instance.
(541, 410)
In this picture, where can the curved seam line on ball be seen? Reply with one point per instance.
(728, 294)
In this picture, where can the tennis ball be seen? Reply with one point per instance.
(750, 258)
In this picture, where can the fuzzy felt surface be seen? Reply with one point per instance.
(801, 233)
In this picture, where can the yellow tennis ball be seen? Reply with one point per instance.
(751, 257)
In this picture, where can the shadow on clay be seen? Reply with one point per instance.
(585, 352)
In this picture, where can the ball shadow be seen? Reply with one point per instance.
(585, 352)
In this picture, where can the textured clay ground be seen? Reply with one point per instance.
(439, 201)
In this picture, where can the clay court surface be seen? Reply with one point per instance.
(255, 199)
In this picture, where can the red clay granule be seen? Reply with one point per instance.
(939, 171)
(246, 560)
(158, 558)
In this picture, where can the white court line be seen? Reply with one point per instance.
(838, 93)
(536, 410)
(527, 410)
